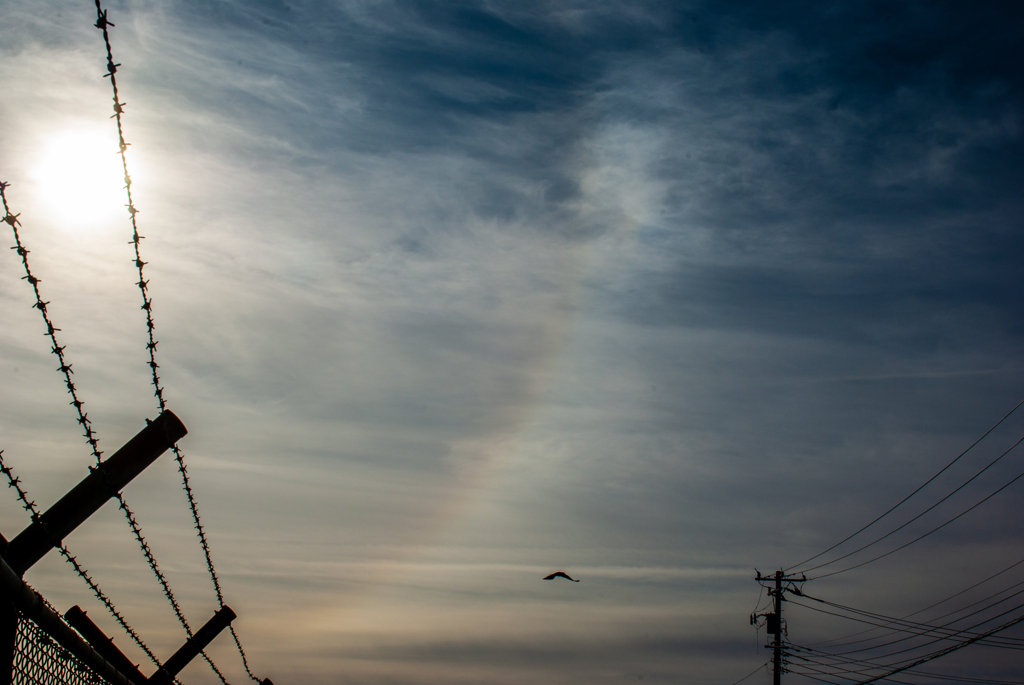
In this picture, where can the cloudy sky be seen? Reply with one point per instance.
(451, 295)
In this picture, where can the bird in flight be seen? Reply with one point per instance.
(560, 574)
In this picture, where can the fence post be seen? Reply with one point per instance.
(103, 482)
(191, 649)
(8, 629)
(8, 638)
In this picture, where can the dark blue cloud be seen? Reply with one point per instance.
(868, 187)
(822, 273)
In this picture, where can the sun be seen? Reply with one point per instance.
(79, 178)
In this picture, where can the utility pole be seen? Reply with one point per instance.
(777, 641)
(773, 620)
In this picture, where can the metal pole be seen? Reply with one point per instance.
(92, 633)
(14, 589)
(190, 650)
(103, 482)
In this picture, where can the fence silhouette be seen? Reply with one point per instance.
(38, 659)
(37, 645)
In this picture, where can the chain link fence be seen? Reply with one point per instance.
(39, 660)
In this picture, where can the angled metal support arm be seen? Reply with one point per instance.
(103, 482)
(14, 590)
(190, 650)
(92, 633)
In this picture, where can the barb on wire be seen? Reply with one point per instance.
(51, 330)
(103, 23)
(162, 579)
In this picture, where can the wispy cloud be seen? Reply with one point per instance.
(450, 295)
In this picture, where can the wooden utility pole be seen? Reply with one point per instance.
(773, 619)
(777, 642)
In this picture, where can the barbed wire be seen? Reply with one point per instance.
(51, 331)
(103, 23)
(90, 434)
(33, 512)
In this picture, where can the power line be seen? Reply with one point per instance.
(764, 665)
(820, 680)
(930, 606)
(921, 487)
(833, 674)
(933, 530)
(895, 530)
(924, 629)
(915, 624)
(940, 633)
(983, 599)
(940, 653)
(860, 672)
(920, 629)
(912, 662)
(877, 666)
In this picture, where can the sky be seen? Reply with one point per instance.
(452, 295)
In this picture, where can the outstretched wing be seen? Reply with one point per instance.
(560, 574)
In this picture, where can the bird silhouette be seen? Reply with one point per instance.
(560, 574)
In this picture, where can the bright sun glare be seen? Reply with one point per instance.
(79, 178)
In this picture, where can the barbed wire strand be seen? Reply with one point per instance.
(83, 419)
(51, 331)
(103, 23)
(33, 511)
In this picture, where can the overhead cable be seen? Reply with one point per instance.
(930, 606)
(933, 530)
(896, 530)
(919, 488)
